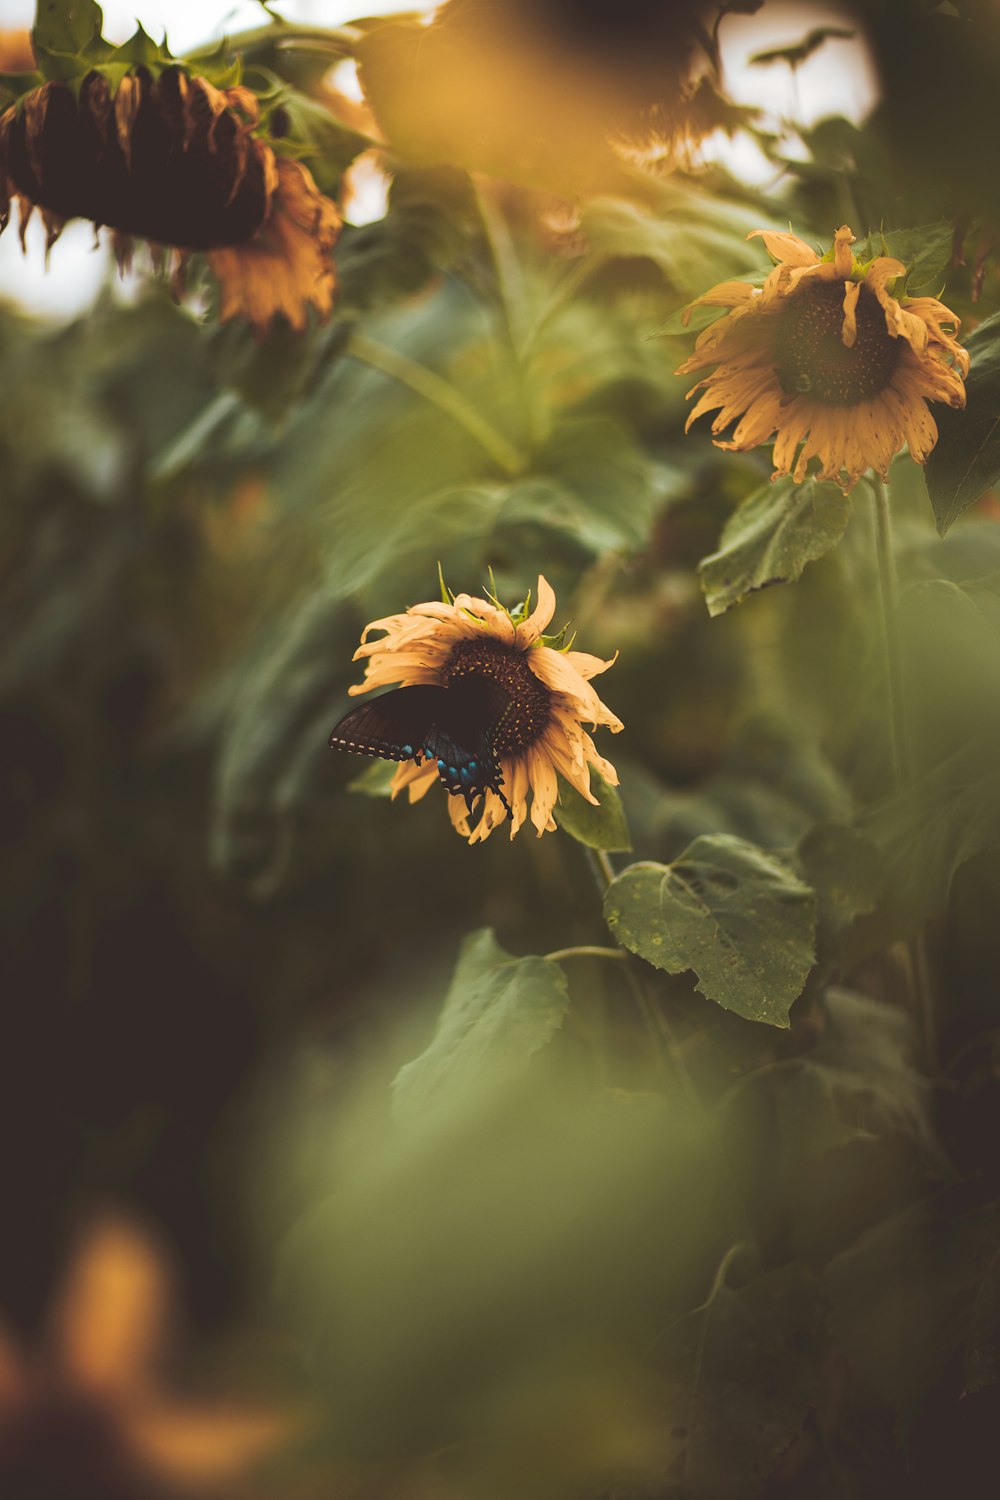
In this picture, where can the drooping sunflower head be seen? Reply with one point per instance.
(546, 690)
(162, 154)
(830, 358)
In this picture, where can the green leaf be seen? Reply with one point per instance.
(299, 125)
(902, 1300)
(845, 870)
(375, 780)
(499, 1011)
(746, 1373)
(741, 918)
(770, 539)
(602, 827)
(966, 458)
(925, 252)
(772, 785)
(927, 832)
(16, 85)
(66, 25)
(811, 1139)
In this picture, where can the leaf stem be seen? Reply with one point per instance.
(587, 950)
(440, 393)
(920, 973)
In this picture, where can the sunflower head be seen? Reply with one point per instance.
(156, 152)
(541, 692)
(829, 358)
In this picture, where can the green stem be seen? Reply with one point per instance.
(440, 393)
(920, 974)
(587, 950)
(510, 281)
(342, 39)
(889, 597)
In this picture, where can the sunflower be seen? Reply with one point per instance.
(828, 361)
(175, 161)
(538, 738)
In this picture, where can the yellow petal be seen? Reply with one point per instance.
(843, 256)
(787, 249)
(530, 629)
(849, 329)
(286, 266)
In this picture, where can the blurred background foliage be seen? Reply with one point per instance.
(601, 1235)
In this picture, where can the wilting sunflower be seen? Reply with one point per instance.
(539, 699)
(175, 161)
(827, 360)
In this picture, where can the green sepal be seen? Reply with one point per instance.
(14, 86)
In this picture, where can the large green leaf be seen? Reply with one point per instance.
(771, 537)
(602, 827)
(745, 1372)
(816, 1141)
(966, 460)
(497, 1013)
(772, 785)
(926, 833)
(902, 1300)
(845, 871)
(741, 918)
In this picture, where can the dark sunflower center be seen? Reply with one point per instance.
(530, 700)
(811, 358)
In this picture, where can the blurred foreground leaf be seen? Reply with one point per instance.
(741, 918)
(497, 1013)
(771, 537)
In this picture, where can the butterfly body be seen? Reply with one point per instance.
(453, 726)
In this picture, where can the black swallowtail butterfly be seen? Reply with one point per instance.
(455, 726)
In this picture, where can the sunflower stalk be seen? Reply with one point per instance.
(888, 581)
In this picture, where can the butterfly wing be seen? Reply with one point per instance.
(453, 726)
(463, 738)
(393, 726)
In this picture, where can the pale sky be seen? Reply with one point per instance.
(838, 79)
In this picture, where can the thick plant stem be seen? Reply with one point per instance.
(920, 980)
(440, 393)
